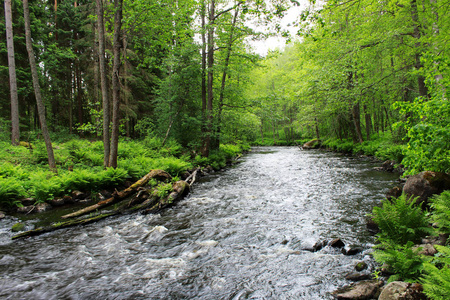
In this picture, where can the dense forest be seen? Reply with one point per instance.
(93, 93)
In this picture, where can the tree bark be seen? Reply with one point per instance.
(116, 83)
(224, 74)
(103, 82)
(15, 129)
(37, 89)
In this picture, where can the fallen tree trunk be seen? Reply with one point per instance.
(157, 174)
(62, 225)
(179, 190)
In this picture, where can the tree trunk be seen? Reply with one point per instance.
(368, 120)
(103, 82)
(15, 129)
(204, 149)
(224, 74)
(37, 89)
(423, 90)
(356, 114)
(116, 83)
(210, 81)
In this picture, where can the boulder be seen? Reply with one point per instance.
(352, 250)
(313, 144)
(398, 290)
(362, 290)
(57, 202)
(18, 227)
(2, 215)
(361, 266)
(426, 184)
(337, 243)
(371, 226)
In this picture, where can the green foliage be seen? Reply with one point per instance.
(400, 221)
(440, 205)
(403, 260)
(11, 189)
(428, 134)
(163, 190)
(436, 281)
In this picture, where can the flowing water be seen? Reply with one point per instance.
(240, 234)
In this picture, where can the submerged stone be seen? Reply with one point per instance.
(18, 227)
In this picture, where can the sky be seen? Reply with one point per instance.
(273, 43)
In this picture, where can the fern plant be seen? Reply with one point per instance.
(441, 211)
(436, 281)
(400, 221)
(403, 260)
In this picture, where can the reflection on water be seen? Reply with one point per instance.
(239, 235)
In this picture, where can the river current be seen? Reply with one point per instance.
(240, 234)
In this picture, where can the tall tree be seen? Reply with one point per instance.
(103, 82)
(15, 130)
(37, 88)
(116, 83)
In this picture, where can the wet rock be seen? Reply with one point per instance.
(389, 166)
(68, 200)
(27, 201)
(57, 202)
(361, 266)
(371, 226)
(77, 195)
(316, 247)
(353, 250)
(18, 227)
(41, 207)
(355, 276)
(337, 243)
(398, 290)
(25, 209)
(2, 215)
(362, 290)
(284, 242)
(313, 144)
(426, 184)
(395, 192)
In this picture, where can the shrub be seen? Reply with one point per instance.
(400, 220)
(436, 281)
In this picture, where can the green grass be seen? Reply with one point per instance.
(24, 172)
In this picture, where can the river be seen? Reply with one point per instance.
(240, 234)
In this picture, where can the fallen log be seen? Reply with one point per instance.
(118, 196)
(62, 225)
(179, 190)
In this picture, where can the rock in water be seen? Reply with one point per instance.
(362, 290)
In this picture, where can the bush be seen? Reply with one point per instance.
(400, 221)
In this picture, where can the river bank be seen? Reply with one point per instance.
(240, 233)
